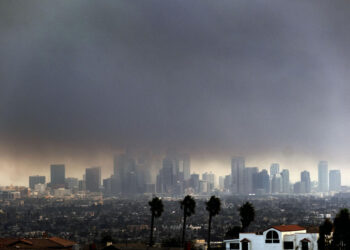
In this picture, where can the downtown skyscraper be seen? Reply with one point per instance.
(323, 176)
(237, 175)
(334, 180)
(58, 175)
(93, 179)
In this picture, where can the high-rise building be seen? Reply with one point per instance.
(297, 189)
(305, 182)
(285, 181)
(186, 167)
(93, 179)
(37, 179)
(323, 176)
(276, 184)
(107, 186)
(274, 169)
(166, 179)
(210, 178)
(334, 180)
(262, 182)
(58, 175)
(72, 183)
(203, 187)
(227, 183)
(237, 174)
(221, 182)
(195, 182)
(127, 174)
(248, 179)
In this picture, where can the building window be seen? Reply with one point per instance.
(234, 245)
(272, 237)
(288, 245)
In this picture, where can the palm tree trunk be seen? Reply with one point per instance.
(184, 229)
(151, 235)
(209, 229)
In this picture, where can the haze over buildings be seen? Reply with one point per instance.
(81, 82)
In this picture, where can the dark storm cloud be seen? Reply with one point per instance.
(206, 76)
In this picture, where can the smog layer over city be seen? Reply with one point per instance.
(194, 124)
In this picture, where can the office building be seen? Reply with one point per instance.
(276, 184)
(305, 182)
(72, 183)
(93, 179)
(334, 180)
(186, 167)
(194, 182)
(248, 179)
(323, 176)
(274, 169)
(210, 178)
(37, 179)
(285, 181)
(227, 183)
(262, 182)
(58, 175)
(221, 182)
(237, 175)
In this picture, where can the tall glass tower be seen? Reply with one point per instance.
(323, 176)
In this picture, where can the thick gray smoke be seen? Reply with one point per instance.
(265, 79)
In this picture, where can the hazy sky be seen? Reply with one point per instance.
(81, 80)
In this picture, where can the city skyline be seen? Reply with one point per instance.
(125, 163)
(222, 168)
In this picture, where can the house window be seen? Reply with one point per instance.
(288, 245)
(234, 245)
(272, 237)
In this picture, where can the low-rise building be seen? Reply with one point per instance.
(276, 237)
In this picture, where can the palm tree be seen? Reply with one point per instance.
(247, 213)
(157, 209)
(213, 207)
(188, 204)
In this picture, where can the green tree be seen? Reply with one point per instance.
(188, 205)
(213, 207)
(157, 208)
(341, 235)
(325, 230)
(233, 232)
(247, 213)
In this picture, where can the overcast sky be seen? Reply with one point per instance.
(82, 80)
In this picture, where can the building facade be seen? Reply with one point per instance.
(275, 238)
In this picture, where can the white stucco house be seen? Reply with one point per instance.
(275, 238)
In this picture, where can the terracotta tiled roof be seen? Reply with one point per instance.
(62, 242)
(35, 243)
(288, 228)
